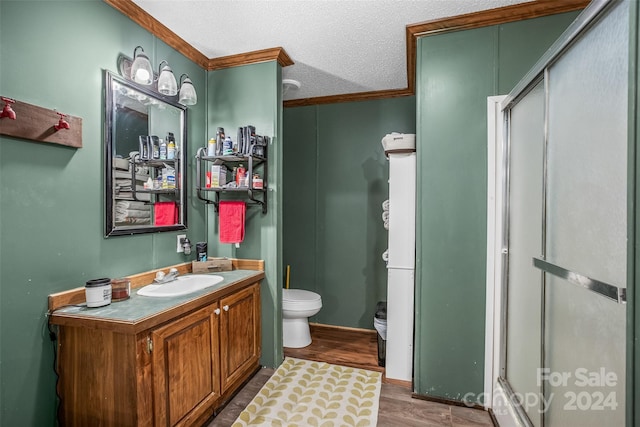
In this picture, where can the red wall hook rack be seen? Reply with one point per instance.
(33, 123)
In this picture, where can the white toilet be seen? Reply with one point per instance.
(297, 306)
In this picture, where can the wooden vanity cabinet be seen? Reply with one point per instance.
(184, 355)
(240, 336)
(173, 374)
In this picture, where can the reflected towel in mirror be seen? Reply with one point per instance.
(166, 213)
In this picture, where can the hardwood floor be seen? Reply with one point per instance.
(357, 348)
(240, 401)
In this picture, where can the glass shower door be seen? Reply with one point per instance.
(524, 282)
(586, 220)
(563, 360)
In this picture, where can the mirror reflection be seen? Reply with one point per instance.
(145, 135)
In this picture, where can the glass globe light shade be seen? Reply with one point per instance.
(188, 94)
(141, 71)
(167, 84)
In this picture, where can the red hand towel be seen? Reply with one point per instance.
(166, 213)
(232, 214)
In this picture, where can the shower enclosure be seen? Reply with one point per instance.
(565, 246)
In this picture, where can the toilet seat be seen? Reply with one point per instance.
(300, 299)
(296, 295)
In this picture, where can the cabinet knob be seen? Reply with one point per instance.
(216, 311)
(225, 308)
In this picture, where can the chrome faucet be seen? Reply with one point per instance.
(165, 278)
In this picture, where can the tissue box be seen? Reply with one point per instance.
(211, 265)
(218, 176)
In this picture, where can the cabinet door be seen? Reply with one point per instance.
(239, 334)
(97, 383)
(185, 373)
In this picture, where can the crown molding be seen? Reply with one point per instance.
(149, 23)
(273, 54)
(485, 18)
(349, 97)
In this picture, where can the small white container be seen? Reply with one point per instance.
(257, 182)
(98, 292)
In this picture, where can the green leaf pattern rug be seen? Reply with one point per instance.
(306, 393)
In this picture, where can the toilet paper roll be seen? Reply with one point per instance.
(385, 256)
(385, 216)
(385, 205)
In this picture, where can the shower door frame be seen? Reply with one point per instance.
(496, 385)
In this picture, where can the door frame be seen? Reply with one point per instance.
(495, 195)
(495, 398)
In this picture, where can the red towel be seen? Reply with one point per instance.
(232, 214)
(166, 213)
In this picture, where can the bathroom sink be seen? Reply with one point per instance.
(182, 285)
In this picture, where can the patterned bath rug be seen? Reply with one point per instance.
(305, 393)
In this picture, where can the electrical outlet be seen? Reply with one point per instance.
(179, 247)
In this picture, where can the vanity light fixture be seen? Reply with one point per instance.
(164, 82)
(7, 111)
(188, 94)
(141, 71)
(167, 84)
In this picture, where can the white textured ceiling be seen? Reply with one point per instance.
(338, 46)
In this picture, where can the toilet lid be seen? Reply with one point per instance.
(299, 295)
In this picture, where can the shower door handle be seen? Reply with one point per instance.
(606, 290)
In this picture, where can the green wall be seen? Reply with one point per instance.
(51, 197)
(300, 192)
(251, 95)
(335, 180)
(456, 72)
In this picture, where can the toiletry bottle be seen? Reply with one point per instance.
(240, 141)
(240, 175)
(163, 149)
(171, 149)
(165, 181)
(220, 140)
(211, 147)
(155, 147)
(144, 147)
(171, 178)
(227, 147)
(201, 251)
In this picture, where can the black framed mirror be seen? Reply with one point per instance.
(144, 159)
